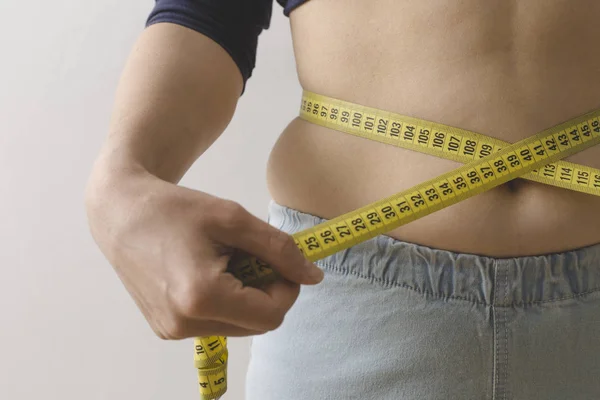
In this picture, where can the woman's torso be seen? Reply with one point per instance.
(503, 68)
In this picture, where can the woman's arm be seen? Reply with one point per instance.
(170, 245)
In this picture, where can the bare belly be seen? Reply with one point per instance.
(507, 69)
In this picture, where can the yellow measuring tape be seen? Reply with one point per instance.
(488, 163)
(444, 141)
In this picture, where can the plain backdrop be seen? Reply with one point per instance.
(68, 328)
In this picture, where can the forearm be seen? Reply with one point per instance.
(177, 93)
(171, 245)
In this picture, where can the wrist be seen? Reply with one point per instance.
(114, 200)
(116, 185)
(111, 173)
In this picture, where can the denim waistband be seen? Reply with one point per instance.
(515, 281)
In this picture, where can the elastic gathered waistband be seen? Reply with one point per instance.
(515, 281)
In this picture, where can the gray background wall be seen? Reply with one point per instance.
(68, 329)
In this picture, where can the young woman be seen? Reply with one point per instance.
(496, 297)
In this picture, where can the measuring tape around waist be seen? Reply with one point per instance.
(442, 140)
(489, 163)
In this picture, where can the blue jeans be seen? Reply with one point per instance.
(395, 320)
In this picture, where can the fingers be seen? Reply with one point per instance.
(239, 229)
(211, 294)
(251, 308)
(221, 297)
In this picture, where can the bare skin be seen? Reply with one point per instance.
(171, 245)
(507, 69)
(504, 68)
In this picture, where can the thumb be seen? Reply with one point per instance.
(254, 236)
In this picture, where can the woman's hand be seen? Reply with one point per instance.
(171, 245)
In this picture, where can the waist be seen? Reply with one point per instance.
(327, 173)
(446, 274)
